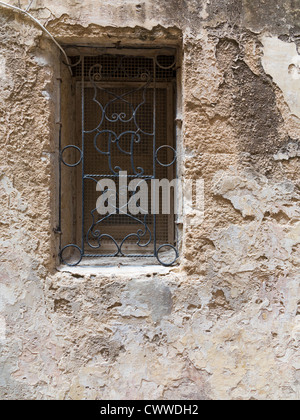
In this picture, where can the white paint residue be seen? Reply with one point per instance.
(282, 62)
(7, 297)
(2, 328)
(204, 15)
(46, 94)
(2, 68)
(6, 82)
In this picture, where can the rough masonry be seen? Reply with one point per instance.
(225, 322)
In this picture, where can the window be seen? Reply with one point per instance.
(122, 114)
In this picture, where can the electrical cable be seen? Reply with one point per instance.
(24, 12)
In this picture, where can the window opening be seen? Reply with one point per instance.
(125, 131)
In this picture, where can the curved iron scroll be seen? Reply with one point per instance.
(113, 110)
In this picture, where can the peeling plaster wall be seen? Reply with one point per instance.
(225, 323)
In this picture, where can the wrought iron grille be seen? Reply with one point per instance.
(127, 107)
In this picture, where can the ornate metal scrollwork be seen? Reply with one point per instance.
(118, 131)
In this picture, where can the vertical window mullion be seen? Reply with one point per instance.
(154, 154)
(83, 153)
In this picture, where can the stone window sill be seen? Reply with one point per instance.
(107, 271)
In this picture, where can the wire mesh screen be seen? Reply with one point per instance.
(143, 155)
(126, 67)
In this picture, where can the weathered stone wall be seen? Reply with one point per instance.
(225, 323)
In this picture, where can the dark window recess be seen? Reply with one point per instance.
(125, 121)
